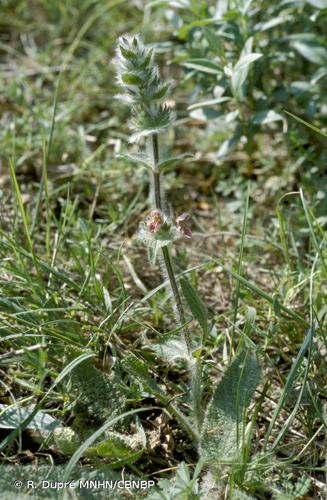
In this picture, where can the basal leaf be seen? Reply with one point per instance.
(65, 440)
(220, 437)
(171, 350)
(12, 416)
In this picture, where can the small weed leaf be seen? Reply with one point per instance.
(219, 439)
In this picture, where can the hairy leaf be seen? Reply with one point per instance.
(65, 440)
(165, 165)
(138, 158)
(138, 369)
(96, 395)
(221, 429)
(117, 446)
(12, 416)
(171, 350)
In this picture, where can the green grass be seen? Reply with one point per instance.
(88, 334)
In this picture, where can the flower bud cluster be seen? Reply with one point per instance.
(138, 76)
(157, 222)
(158, 231)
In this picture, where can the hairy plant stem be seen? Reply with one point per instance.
(156, 173)
(165, 250)
(194, 365)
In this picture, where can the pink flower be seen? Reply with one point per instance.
(182, 227)
(154, 221)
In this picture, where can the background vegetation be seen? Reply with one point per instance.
(88, 335)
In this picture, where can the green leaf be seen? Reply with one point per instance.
(241, 495)
(161, 93)
(295, 374)
(96, 395)
(12, 417)
(302, 486)
(138, 158)
(209, 102)
(198, 308)
(9, 439)
(228, 144)
(319, 4)
(246, 60)
(272, 23)
(165, 165)
(132, 79)
(171, 350)
(198, 23)
(138, 369)
(156, 241)
(203, 65)
(214, 41)
(241, 70)
(145, 123)
(318, 75)
(220, 437)
(205, 113)
(117, 446)
(91, 439)
(65, 440)
(312, 51)
(307, 124)
(264, 117)
(181, 487)
(22, 211)
(177, 4)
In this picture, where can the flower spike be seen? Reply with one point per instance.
(139, 78)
